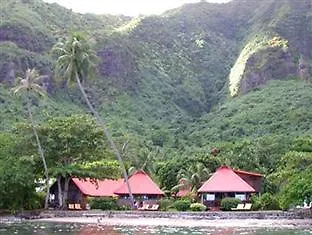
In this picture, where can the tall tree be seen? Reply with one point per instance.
(29, 86)
(294, 176)
(75, 147)
(75, 63)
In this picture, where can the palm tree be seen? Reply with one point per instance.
(76, 60)
(192, 178)
(144, 161)
(28, 85)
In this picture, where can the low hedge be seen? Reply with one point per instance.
(103, 203)
(228, 203)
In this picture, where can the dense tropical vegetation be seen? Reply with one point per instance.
(181, 94)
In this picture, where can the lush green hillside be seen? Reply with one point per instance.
(166, 80)
(202, 84)
(29, 28)
(281, 108)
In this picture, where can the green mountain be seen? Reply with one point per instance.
(186, 79)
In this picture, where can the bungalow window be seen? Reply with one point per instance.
(240, 196)
(210, 197)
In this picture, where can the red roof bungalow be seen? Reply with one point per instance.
(226, 182)
(80, 189)
(142, 187)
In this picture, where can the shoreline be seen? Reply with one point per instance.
(213, 223)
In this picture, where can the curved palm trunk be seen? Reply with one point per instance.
(40, 150)
(108, 136)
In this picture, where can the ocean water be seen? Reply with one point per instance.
(83, 229)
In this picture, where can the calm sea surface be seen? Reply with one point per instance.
(81, 229)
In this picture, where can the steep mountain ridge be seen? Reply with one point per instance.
(277, 47)
(29, 28)
(161, 77)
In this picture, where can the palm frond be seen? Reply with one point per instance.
(17, 90)
(29, 83)
(38, 89)
(177, 187)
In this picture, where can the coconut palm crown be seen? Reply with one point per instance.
(75, 59)
(30, 83)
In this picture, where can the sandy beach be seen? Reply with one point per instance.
(217, 223)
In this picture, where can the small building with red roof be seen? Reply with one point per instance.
(80, 189)
(227, 182)
(142, 187)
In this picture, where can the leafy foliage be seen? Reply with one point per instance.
(294, 176)
(182, 205)
(197, 207)
(228, 203)
(163, 84)
(269, 202)
(192, 178)
(17, 176)
(165, 204)
(103, 203)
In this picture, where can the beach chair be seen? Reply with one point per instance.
(144, 207)
(239, 207)
(77, 206)
(247, 206)
(71, 206)
(154, 207)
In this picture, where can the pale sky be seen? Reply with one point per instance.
(125, 7)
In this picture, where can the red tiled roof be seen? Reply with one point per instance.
(225, 180)
(140, 183)
(103, 188)
(248, 173)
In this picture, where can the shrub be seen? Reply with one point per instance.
(256, 204)
(165, 204)
(228, 203)
(36, 201)
(103, 203)
(182, 205)
(269, 202)
(198, 207)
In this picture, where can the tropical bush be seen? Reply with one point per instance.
(269, 202)
(165, 204)
(103, 203)
(197, 207)
(256, 204)
(181, 205)
(228, 203)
